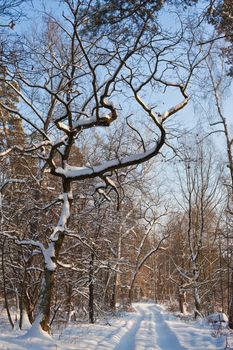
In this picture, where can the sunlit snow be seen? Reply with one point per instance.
(150, 327)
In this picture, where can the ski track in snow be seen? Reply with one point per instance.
(163, 332)
(149, 328)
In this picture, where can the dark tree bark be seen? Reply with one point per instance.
(4, 285)
(91, 289)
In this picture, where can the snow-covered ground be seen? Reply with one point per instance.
(150, 327)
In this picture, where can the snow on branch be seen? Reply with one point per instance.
(80, 173)
(30, 242)
(103, 121)
(9, 150)
(64, 217)
(152, 251)
(48, 253)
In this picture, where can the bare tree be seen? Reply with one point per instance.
(74, 83)
(221, 125)
(152, 222)
(10, 12)
(200, 197)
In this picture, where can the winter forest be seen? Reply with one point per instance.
(116, 163)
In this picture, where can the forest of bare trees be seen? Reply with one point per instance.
(116, 163)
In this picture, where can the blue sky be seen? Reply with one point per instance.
(189, 116)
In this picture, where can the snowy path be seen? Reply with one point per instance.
(149, 328)
(149, 332)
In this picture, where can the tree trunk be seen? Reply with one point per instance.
(22, 298)
(29, 307)
(50, 271)
(181, 299)
(91, 290)
(4, 285)
(46, 300)
(69, 308)
(231, 303)
(114, 293)
(130, 293)
(197, 302)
